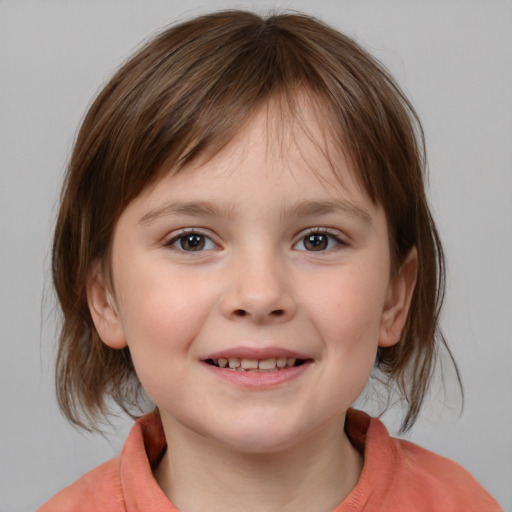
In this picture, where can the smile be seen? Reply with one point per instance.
(255, 365)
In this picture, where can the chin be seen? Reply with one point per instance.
(262, 438)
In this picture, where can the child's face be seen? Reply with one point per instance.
(252, 256)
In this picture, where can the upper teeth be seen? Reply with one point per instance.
(273, 363)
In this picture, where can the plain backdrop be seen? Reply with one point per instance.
(453, 58)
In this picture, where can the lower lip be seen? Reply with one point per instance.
(259, 380)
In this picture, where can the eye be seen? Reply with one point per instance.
(318, 241)
(192, 242)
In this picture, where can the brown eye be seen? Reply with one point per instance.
(319, 241)
(192, 242)
(316, 242)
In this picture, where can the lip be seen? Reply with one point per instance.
(258, 380)
(253, 379)
(260, 353)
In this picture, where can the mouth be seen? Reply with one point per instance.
(257, 369)
(273, 364)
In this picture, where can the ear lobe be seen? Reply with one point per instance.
(398, 301)
(103, 310)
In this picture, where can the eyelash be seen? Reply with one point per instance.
(187, 233)
(329, 234)
(206, 243)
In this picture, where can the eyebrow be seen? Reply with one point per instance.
(315, 208)
(192, 209)
(301, 209)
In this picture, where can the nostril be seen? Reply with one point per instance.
(241, 313)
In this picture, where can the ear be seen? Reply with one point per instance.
(103, 310)
(398, 301)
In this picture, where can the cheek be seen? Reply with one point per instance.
(348, 307)
(160, 323)
(162, 312)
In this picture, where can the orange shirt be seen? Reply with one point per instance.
(397, 476)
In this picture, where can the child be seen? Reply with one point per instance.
(244, 235)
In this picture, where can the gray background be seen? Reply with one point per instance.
(454, 58)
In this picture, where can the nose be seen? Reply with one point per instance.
(259, 291)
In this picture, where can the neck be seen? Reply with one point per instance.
(316, 474)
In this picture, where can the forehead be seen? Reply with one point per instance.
(285, 135)
(277, 159)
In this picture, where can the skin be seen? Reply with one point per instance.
(255, 284)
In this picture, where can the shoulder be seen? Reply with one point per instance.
(123, 483)
(440, 481)
(401, 476)
(99, 489)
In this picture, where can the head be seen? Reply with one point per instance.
(182, 99)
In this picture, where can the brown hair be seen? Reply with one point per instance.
(188, 91)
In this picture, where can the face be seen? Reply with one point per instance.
(253, 290)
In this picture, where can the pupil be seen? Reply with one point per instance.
(316, 242)
(192, 242)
